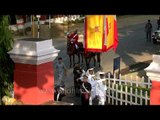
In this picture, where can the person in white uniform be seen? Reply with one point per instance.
(93, 82)
(90, 74)
(101, 88)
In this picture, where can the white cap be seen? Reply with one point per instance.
(61, 88)
(102, 73)
(91, 69)
(85, 75)
(38, 16)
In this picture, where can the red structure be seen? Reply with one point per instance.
(155, 93)
(33, 84)
(34, 74)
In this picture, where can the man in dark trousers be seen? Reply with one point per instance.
(59, 93)
(85, 91)
(77, 71)
(148, 30)
(158, 23)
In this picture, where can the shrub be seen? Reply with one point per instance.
(6, 64)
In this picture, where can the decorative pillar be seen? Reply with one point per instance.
(153, 72)
(33, 73)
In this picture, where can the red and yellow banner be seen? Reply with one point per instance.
(111, 34)
(101, 33)
(94, 29)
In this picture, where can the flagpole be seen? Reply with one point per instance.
(33, 27)
(68, 23)
(84, 41)
(31, 20)
(49, 21)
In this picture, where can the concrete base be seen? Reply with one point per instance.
(155, 93)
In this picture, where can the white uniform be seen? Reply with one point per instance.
(101, 91)
(93, 84)
(83, 73)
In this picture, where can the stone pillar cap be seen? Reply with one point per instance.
(33, 51)
(153, 70)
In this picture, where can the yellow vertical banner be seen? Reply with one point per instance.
(94, 29)
(100, 33)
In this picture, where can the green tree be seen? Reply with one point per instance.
(6, 64)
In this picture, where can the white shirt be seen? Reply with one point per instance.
(93, 84)
(101, 89)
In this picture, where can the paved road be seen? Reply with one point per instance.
(132, 47)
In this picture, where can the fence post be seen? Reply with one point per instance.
(136, 83)
(141, 97)
(113, 91)
(126, 95)
(143, 82)
(146, 98)
(120, 76)
(136, 93)
(121, 93)
(109, 88)
(153, 72)
(117, 94)
(125, 79)
(149, 83)
(131, 79)
(131, 92)
(114, 78)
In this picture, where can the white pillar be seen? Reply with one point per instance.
(34, 72)
(153, 72)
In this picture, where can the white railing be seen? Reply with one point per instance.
(128, 91)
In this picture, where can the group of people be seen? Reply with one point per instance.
(91, 88)
(87, 85)
(149, 29)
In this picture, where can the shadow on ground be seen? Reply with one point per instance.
(137, 69)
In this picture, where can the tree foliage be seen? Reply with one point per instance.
(6, 64)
